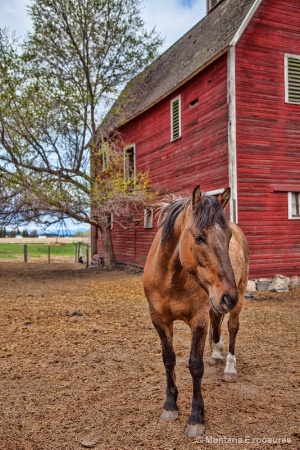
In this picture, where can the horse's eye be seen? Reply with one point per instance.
(199, 239)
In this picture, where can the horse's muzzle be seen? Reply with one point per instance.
(228, 302)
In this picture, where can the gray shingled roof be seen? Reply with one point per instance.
(196, 49)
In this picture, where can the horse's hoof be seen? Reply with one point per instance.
(195, 430)
(229, 377)
(215, 361)
(169, 416)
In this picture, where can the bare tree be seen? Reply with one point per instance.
(56, 87)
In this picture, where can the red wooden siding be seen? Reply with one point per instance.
(200, 156)
(268, 139)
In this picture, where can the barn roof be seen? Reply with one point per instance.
(206, 41)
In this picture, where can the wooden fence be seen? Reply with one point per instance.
(82, 253)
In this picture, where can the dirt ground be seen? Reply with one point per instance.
(80, 367)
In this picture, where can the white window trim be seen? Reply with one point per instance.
(286, 77)
(216, 191)
(134, 161)
(290, 208)
(178, 98)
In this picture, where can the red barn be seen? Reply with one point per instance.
(221, 108)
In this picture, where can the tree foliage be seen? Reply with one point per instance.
(56, 86)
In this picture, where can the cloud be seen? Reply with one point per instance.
(188, 3)
(172, 18)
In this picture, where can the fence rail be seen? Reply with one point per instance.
(39, 251)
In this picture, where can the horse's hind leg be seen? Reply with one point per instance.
(216, 338)
(170, 409)
(230, 373)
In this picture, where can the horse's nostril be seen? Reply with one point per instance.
(228, 301)
(225, 301)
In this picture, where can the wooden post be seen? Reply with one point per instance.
(87, 257)
(25, 253)
(49, 253)
(76, 252)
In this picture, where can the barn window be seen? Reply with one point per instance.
(292, 79)
(216, 192)
(129, 167)
(175, 118)
(294, 205)
(194, 102)
(211, 4)
(148, 218)
(105, 155)
(110, 220)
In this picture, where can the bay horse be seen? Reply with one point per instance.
(196, 271)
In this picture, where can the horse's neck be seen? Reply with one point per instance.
(169, 254)
(172, 272)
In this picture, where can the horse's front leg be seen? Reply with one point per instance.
(195, 425)
(216, 338)
(165, 332)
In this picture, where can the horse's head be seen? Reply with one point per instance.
(204, 248)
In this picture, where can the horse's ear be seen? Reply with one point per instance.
(197, 196)
(224, 197)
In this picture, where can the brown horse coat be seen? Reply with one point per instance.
(196, 270)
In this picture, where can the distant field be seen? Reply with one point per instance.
(16, 250)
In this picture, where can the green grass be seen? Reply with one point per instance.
(12, 251)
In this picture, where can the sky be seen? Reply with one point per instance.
(172, 18)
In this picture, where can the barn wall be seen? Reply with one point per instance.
(268, 139)
(198, 157)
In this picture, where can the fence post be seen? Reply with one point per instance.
(49, 253)
(25, 253)
(87, 257)
(76, 252)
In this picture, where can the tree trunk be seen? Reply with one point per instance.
(110, 261)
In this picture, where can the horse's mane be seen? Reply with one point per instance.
(168, 215)
(206, 213)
